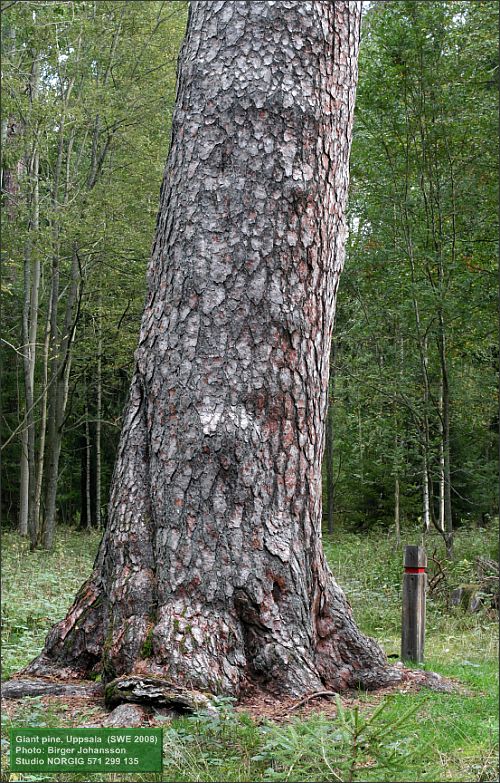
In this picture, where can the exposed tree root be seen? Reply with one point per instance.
(18, 689)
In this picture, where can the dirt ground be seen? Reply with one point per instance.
(90, 711)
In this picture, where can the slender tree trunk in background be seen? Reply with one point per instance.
(30, 352)
(421, 334)
(330, 487)
(58, 395)
(59, 346)
(11, 190)
(425, 494)
(213, 548)
(428, 498)
(448, 513)
(397, 524)
(397, 521)
(61, 351)
(83, 484)
(441, 464)
(88, 468)
(98, 414)
(9, 129)
(361, 448)
(447, 482)
(23, 484)
(398, 340)
(24, 481)
(43, 424)
(51, 458)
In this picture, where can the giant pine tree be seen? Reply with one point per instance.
(211, 570)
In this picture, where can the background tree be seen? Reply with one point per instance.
(415, 418)
(88, 86)
(119, 110)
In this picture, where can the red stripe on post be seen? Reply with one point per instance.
(409, 570)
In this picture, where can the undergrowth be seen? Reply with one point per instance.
(423, 736)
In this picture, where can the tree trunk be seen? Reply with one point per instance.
(441, 463)
(58, 392)
(43, 423)
(448, 515)
(211, 570)
(88, 468)
(397, 445)
(98, 412)
(425, 494)
(330, 485)
(30, 333)
(23, 485)
(397, 523)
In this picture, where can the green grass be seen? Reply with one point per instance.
(369, 568)
(425, 736)
(37, 589)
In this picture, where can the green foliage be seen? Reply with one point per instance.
(343, 748)
(104, 101)
(37, 591)
(211, 748)
(423, 245)
(369, 568)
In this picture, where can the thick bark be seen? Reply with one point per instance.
(211, 571)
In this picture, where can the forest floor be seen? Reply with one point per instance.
(403, 734)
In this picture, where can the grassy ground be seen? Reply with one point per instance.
(417, 736)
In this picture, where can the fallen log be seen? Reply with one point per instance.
(155, 691)
(18, 689)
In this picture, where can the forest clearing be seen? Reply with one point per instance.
(250, 438)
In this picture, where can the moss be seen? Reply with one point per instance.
(68, 642)
(108, 669)
(147, 645)
(112, 694)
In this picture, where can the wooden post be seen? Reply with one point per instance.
(414, 586)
